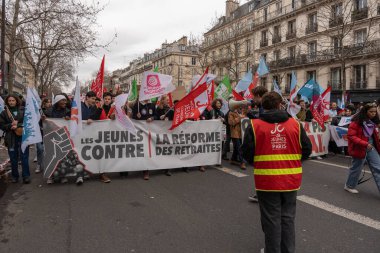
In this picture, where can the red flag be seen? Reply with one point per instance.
(210, 94)
(248, 93)
(319, 107)
(191, 106)
(97, 84)
(171, 104)
(237, 96)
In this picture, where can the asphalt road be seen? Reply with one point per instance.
(188, 212)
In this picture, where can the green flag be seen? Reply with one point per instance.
(133, 91)
(155, 69)
(223, 91)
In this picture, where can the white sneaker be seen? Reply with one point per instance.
(319, 158)
(50, 181)
(253, 198)
(38, 169)
(79, 181)
(35, 159)
(64, 180)
(354, 191)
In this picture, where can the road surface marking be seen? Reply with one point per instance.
(336, 165)
(231, 172)
(341, 212)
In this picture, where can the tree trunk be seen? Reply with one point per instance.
(12, 46)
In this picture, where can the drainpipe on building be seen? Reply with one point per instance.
(2, 64)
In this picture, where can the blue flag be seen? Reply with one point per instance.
(244, 83)
(307, 90)
(31, 133)
(263, 68)
(276, 88)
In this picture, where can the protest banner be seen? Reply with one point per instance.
(105, 146)
(319, 138)
(339, 134)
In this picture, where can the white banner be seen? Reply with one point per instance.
(319, 138)
(105, 146)
(339, 134)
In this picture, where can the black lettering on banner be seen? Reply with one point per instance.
(84, 153)
(140, 150)
(177, 150)
(110, 152)
(120, 149)
(210, 137)
(107, 135)
(100, 137)
(124, 136)
(181, 139)
(140, 136)
(97, 152)
(194, 138)
(201, 137)
(115, 136)
(129, 151)
(175, 139)
(132, 138)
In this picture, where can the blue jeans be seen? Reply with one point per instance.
(14, 155)
(236, 154)
(373, 160)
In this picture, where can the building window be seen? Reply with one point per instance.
(360, 4)
(264, 38)
(276, 55)
(221, 72)
(292, 52)
(265, 14)
(183, 47)
(336, 79)
(292, 26)
(279, 7)
(360, 77)
(248, 47)
(336, 43)
(360, 37)
(336, 11)
(288, 82)
(276, 79)
(264, 56)
(312, 48)
(248, 66)
(293, 4)
(312, 23)
(193, 61)
(311, 75)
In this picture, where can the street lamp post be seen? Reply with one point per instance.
(2, 85)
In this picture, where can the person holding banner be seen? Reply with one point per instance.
(363, 145)
(163, 110)
(275, 145)
(11, 120)
(59, 110)
(108, 110)
(89, 110)
(144, 110)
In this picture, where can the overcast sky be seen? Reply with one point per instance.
(143, 25)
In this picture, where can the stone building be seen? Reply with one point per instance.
(336, 42)
(179, 59)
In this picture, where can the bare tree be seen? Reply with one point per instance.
(50, 30)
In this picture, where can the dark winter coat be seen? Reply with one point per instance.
(6, 124)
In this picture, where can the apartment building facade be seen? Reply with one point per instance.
(335, 42)
(180, 59)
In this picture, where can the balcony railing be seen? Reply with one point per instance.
(285, 10)
(311, 28)
(361, 85)
(291, 35)
(378, 83)
(276, 39)
(336, 21)
(264, 43)
(359, 14)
